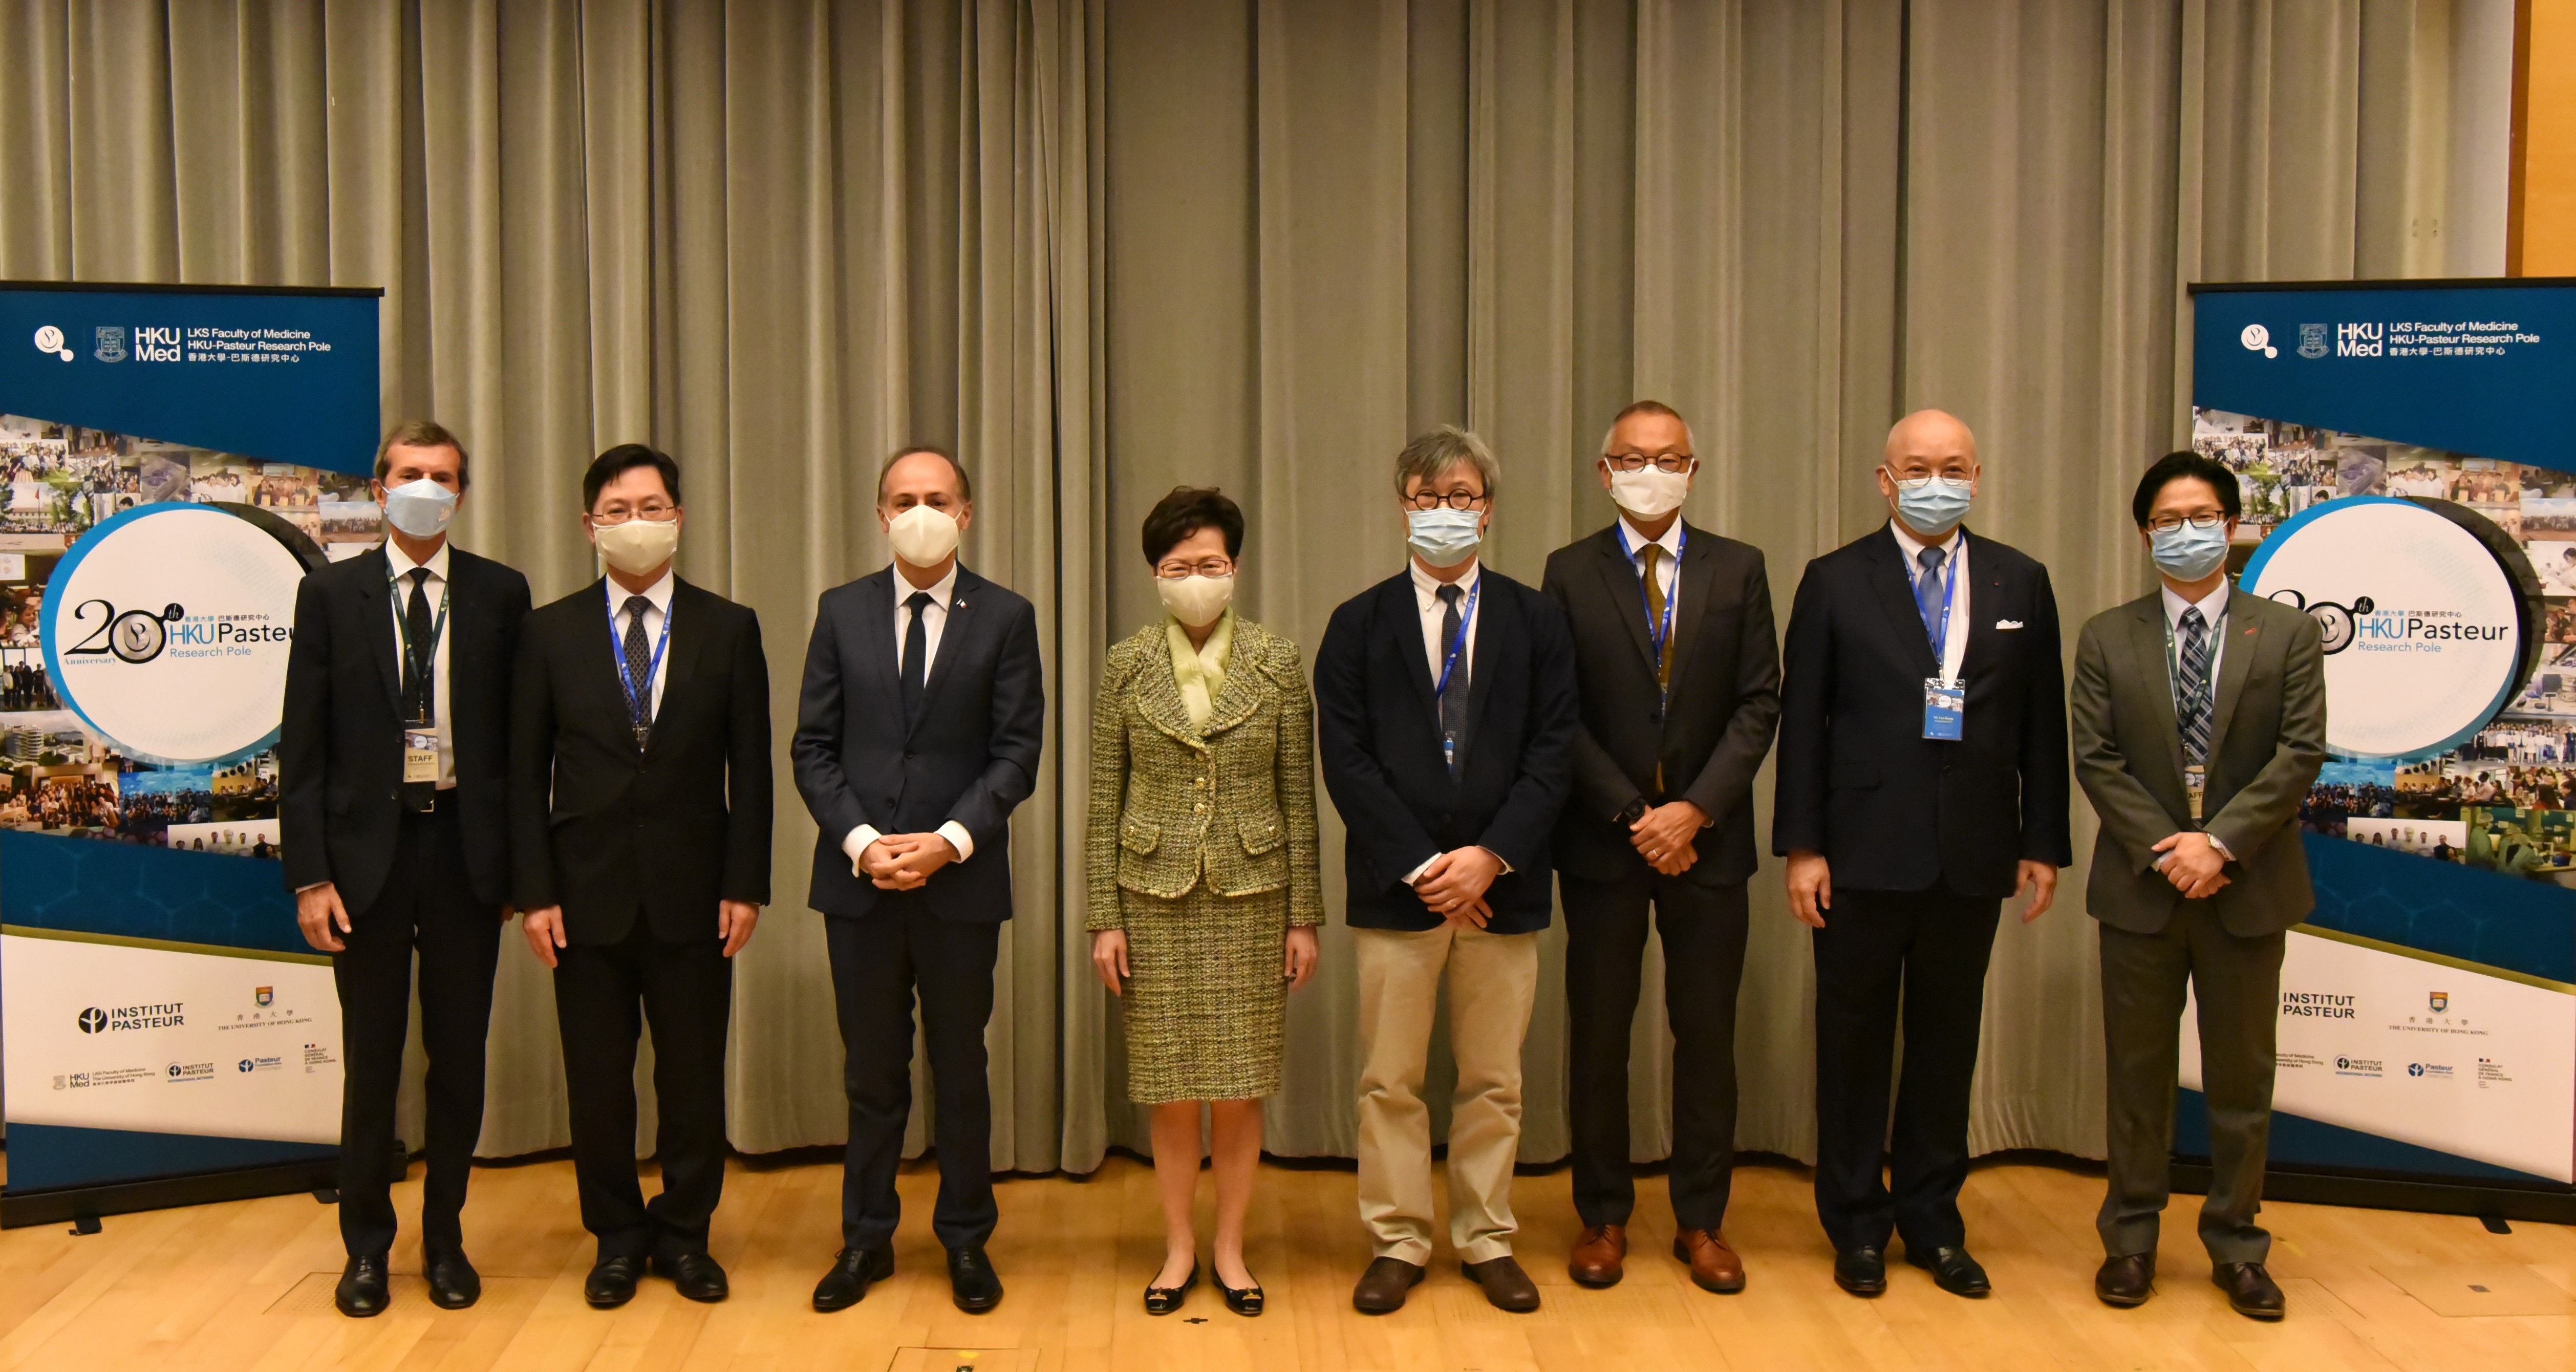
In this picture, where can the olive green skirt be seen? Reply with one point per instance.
(1206, 1004)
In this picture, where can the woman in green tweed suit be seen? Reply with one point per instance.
(1205, 879)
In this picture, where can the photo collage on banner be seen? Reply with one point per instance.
(2503, 800)
(59, 775)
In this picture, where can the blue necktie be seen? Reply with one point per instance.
(1927, 595)
(1453, 702)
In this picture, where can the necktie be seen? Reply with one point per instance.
(639, 666)
(1927, 595)
(1453, 702)
(2194, 711)
(916, 651)
(420, 656)
(1655, 607)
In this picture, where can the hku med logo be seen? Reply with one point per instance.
(2312, 341)
(111, 343)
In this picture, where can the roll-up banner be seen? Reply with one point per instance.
(173, 461)
(2406, 455)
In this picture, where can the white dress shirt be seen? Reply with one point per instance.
(2211, 607)
(1426, 599)
(934, 621)
(1954, 567)
(436, 588)
(1670, 579)
(657, 612)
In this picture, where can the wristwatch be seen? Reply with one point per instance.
(1636, 811)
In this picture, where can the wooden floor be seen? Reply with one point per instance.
(248, 1285)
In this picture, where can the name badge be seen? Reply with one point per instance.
(420, 756)
(1945, 709)
(2195, 784)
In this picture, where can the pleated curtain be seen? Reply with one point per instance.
(1104, 247)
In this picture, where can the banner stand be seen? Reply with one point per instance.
(2393, 1191)
(197, 1188)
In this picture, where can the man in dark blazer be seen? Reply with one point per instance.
(1680, 682)
(2199, 722)
(639, 809)
(392, 765)
(1922, 779)
(1445, 699)
(917, 731)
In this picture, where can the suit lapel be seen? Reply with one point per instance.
(1158, 695)
(1985, 602)
(1240, 697)
(2147, 664)
(1698, 582)
(965, 600)
(876, 644)
(1488, 647)
(1619, 578)
(375, 593)
(2235, 664)
(688, 625)
(1403, 611)
(1896, 596)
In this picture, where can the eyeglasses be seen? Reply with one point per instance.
(2165, 524)
(1179, 571)
(1456, 500)
(656, 511)
(1670, 463)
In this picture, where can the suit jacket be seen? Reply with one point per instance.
(1380, 730)
(610, 833)
(1724, 701)
(2267, 739)
(1890, 809)
(1233, 802)
(339, 751)
(971, 757)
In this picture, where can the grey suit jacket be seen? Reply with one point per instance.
(2267, 740)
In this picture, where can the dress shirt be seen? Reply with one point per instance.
(1955, 567)
(657, 612)
(436, 588)
(1426, 598)
(1670, 582)
(2211, 607)
(934, 621)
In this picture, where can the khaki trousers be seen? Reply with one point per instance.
(1493, 979)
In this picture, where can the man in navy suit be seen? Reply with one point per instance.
(1445, 697)
(917, 732)
(1922, 779)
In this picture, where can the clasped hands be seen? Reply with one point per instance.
(1667, 836)
(2193, 864)
(902, 862)
(1454, 884)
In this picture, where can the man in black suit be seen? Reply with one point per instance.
(1922, 779)
(639, 811)
(392, 768)
(1681, 692)
(917, 731)
(1445, 697)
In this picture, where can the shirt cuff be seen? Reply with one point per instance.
(958, 839)
(1499, 861)
(1416, 874)
(2215, 842)
(856, 842)
(311, 886)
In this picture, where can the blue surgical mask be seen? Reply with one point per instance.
(1932, 504)
(1444, 537)
(2188, 554)
(420, 508)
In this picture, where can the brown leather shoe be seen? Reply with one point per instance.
(1597, 1255)
(1713, 1265)
(1506, 1285)
(2126, 1281)
(1382, 1286)
(2251, 1292)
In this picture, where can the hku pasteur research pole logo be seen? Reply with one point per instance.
(49, 339)
(166, 629)
(2258, 339)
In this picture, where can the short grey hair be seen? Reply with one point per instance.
(1434, 452)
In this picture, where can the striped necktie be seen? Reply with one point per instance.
(2193, 709)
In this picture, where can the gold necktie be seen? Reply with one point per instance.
(1655, 625)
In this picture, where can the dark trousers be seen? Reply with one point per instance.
(604, 994)
(1702, 928)
(2237, 982)
(426, 905)
(879, 962)
(1929, 950)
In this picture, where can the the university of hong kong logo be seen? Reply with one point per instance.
(2312, 341)
(111, 343)
(264, 995)
(2441, 1001)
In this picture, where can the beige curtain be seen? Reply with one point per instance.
(1108, 246)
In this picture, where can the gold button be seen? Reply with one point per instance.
(1202, 807)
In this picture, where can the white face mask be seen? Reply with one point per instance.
(1196, 601)
(1649, 492)
(638, 545)
(923, 536)
(420, 508)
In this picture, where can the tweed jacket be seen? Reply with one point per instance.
(1233, 803)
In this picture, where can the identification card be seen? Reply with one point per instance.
(1945, 709)
(2195, 784)
(420, 756)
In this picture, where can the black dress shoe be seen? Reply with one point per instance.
(1507, 1287)
(1244, 1301)
(453, 1282)
(2251, 1292)
(2126, 1282)
(847, 1282)
(1163, 1300)
(362, 1292)
(1952, 1270)
(695, 1274)
(972, 1282)
(1861, 1271)
(612, 1283)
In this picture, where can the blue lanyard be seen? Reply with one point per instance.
(1660, 634)
(1458, 645)
(637, 700)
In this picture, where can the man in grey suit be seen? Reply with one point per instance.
(2199, 722)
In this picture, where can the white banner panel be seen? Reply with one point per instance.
(2423, 1052)
(113, 1036)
